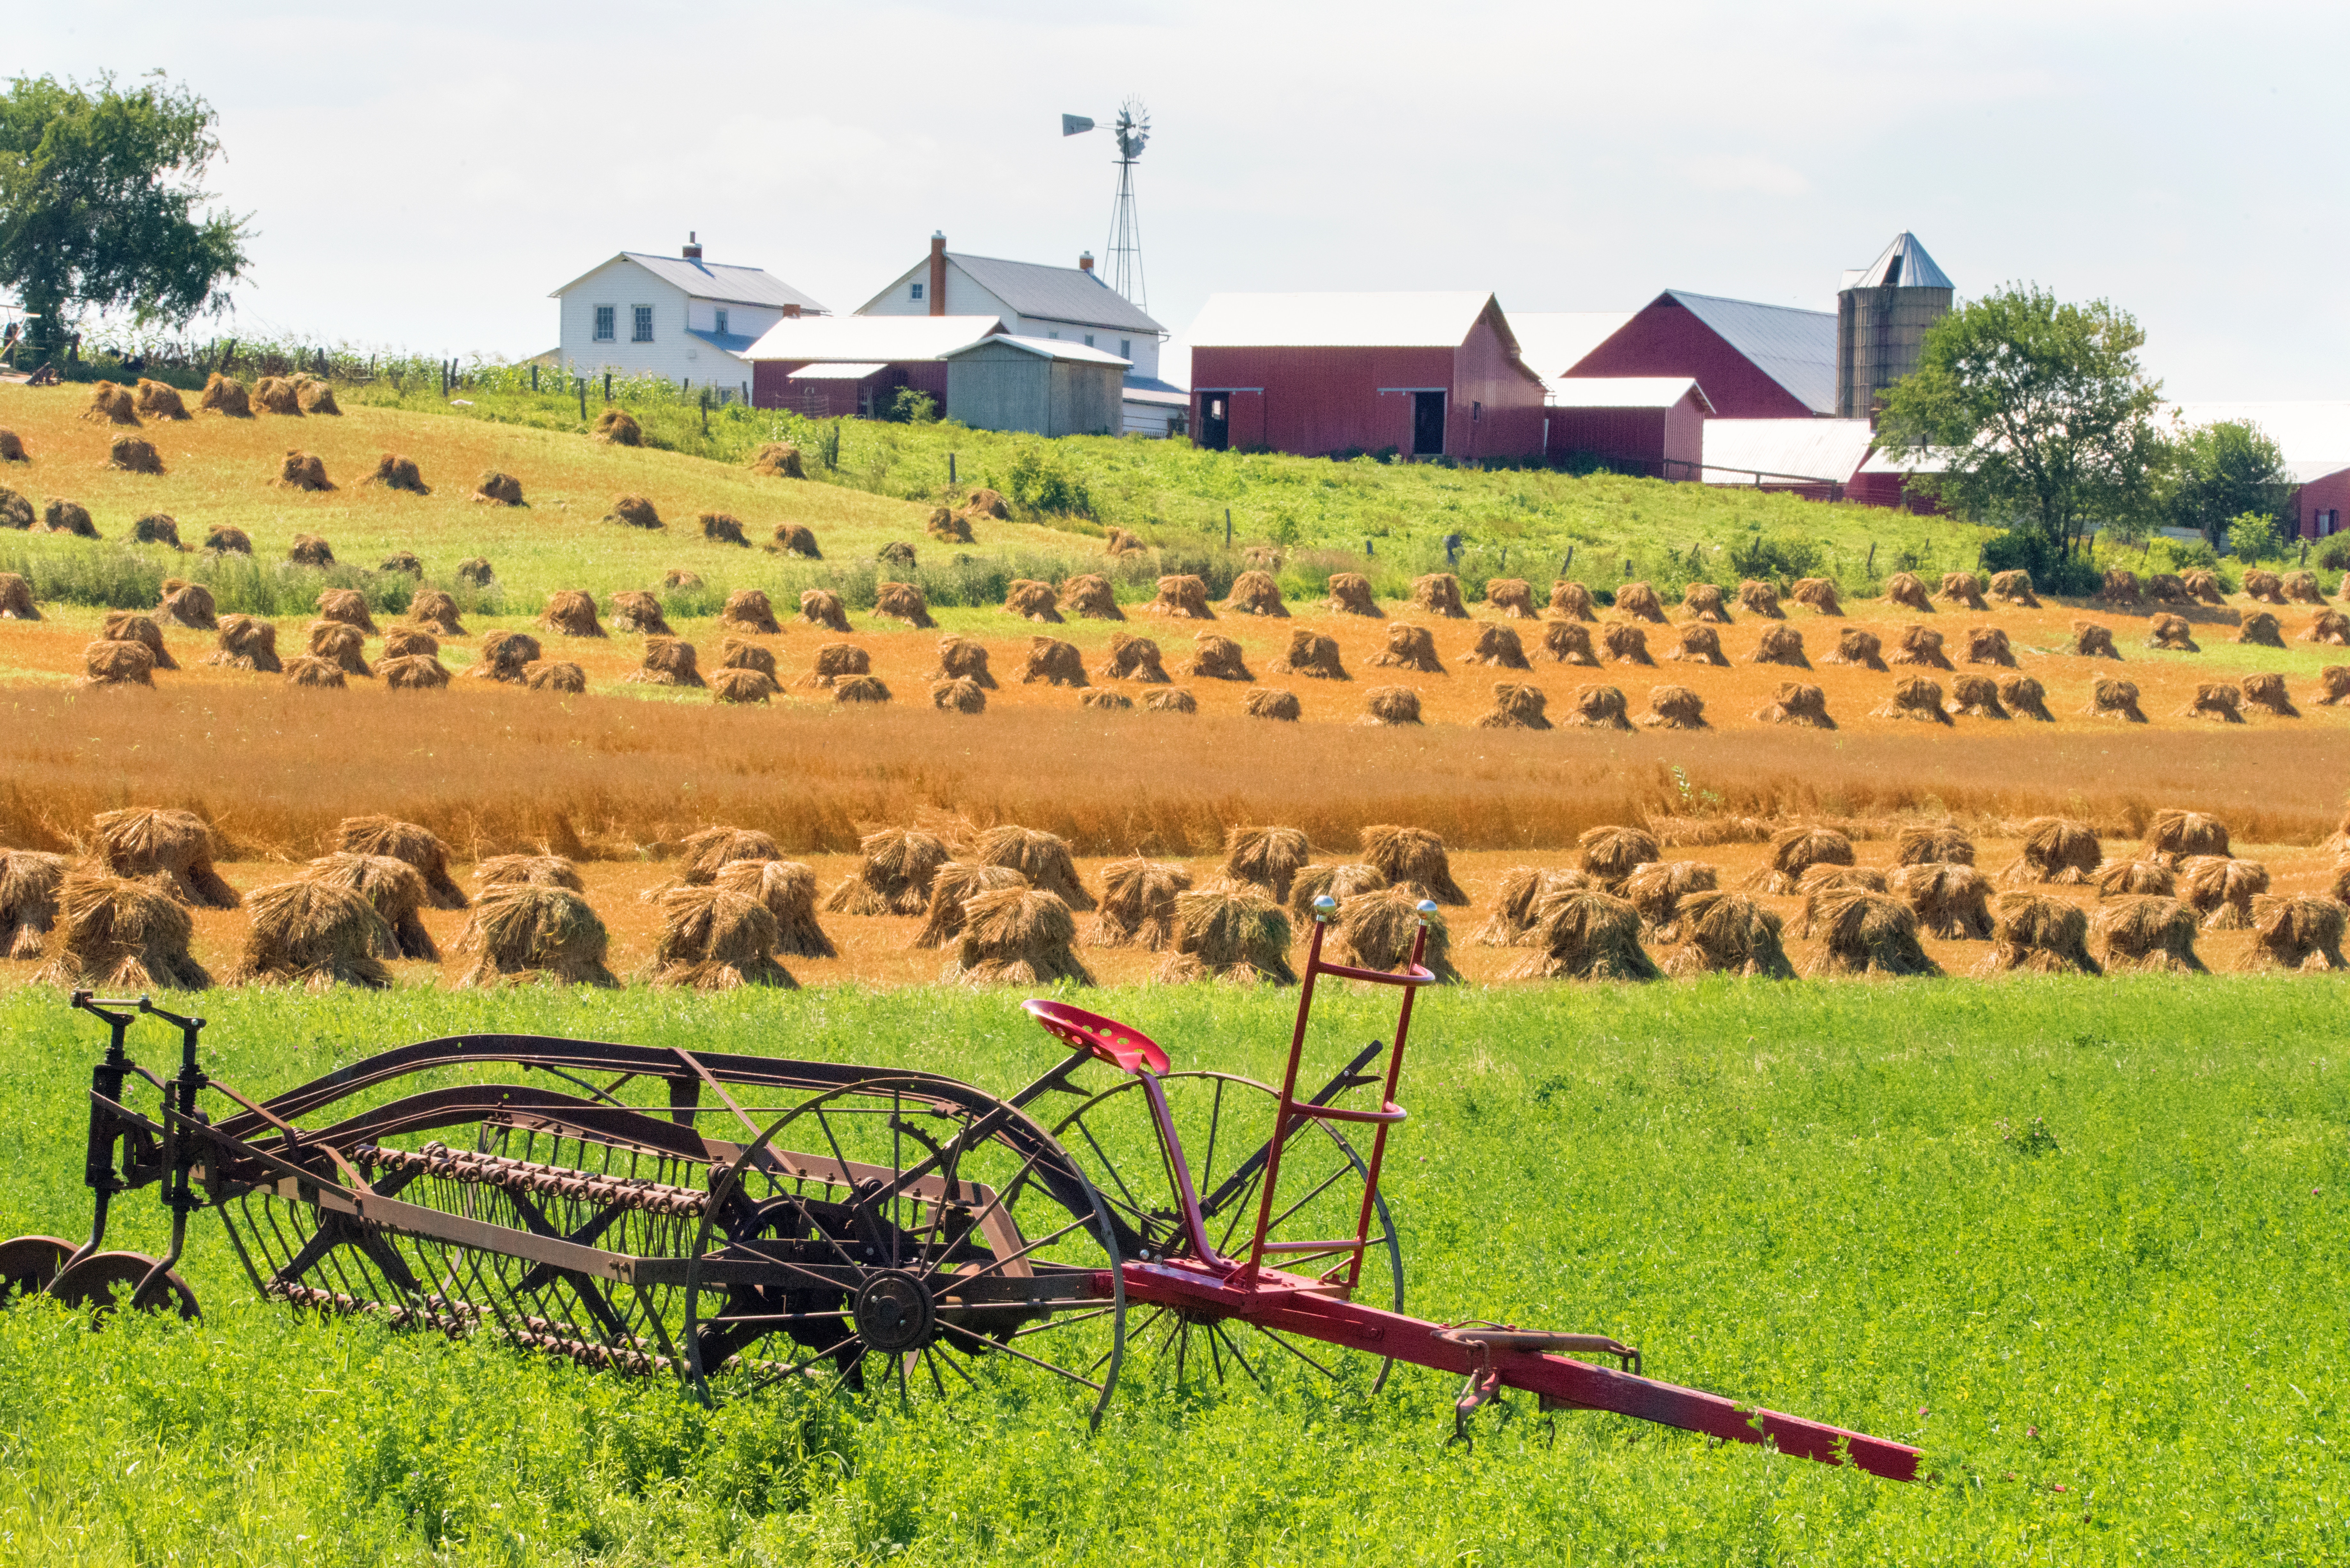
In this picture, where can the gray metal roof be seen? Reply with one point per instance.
(735, 343)
(870, 339)
(1056, 293)
(1903, 265)
(1044, 349)
(1796, 348)
(702, 280)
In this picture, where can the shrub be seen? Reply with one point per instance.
(1782, 558)
(1040, 484)
(2020, 549)
(909, 407)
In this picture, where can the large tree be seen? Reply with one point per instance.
(2041, 414)
(101, 204)
(2219, 472)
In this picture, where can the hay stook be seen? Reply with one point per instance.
(1312, 654)
(1699, 645)
(1516, 706)
(1409, 647)
(1797, 704)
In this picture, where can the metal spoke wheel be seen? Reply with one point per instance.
(1225, 1125)
(879, 1237)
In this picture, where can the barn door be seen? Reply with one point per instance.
(1428, 424)
(1215, 420)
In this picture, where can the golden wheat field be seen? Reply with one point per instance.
(624, 769)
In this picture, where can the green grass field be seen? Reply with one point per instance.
(2083, 1241)
(1385, 519)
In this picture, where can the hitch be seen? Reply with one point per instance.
(1480, 1339)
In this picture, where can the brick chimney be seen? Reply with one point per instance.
(692, 251)
(1085, 260)
(938, 272)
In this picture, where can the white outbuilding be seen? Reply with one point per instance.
(681, 317)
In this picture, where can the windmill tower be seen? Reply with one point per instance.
(1125, 247)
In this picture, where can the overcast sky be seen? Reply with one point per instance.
(421, 175)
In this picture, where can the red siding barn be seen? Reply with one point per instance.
(849, 367)
(1639, 424)
(1754, 362)
(1425, 374)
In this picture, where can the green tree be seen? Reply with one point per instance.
(2254, 536)
(2219, 472)
(2042, 413)
(100, 191)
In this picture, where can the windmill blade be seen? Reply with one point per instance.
(1074, 124)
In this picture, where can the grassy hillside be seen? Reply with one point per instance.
(2083, 1241)
(1513, 522)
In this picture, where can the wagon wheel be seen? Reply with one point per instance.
(28, 1263)
(1225, 1123)
(877, 1235)
(104, 1282)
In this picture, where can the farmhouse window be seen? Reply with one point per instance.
(644, 332)
(917, 291)
(722, 324)
(603, 313)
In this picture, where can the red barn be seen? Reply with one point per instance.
(1654, 425)
(1754, 362)
(1424, 375)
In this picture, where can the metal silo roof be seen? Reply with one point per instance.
(1903, 265)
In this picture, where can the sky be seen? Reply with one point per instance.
(419, 177)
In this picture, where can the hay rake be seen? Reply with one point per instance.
(836, 1228)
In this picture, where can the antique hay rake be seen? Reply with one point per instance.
(856, 1228)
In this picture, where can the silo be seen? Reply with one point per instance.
(1882, 315)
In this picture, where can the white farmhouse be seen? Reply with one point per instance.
(1070, 303)
(678, 316)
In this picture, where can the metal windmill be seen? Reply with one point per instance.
(1125, 248)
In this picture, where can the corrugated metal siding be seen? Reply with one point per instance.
(1000, 390)
(1087, 399)
(1006, 389)
(1636, 439)
(1684, 440)
(1668, 340)
(1319, 400)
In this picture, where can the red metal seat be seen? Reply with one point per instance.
(1121, 1045)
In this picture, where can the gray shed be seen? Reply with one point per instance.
(1041, 385)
